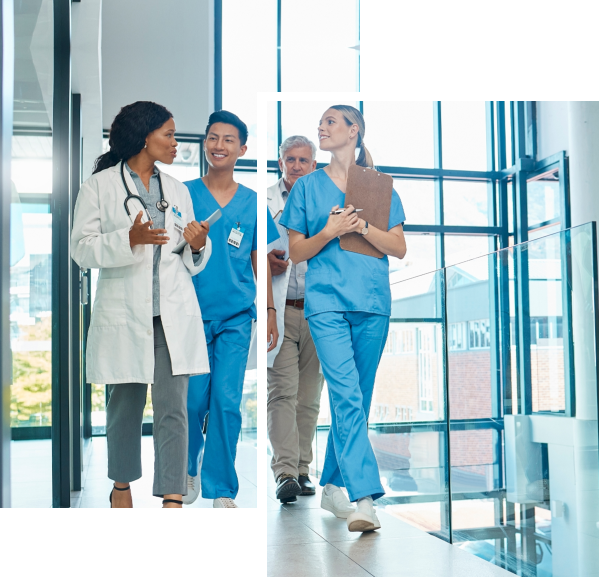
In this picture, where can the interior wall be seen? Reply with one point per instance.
(159, 51)
(551, 128)
(573, 127)
(87, 76)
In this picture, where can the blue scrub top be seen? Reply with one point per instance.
(226, 286)
(336, 279)
(272, 233)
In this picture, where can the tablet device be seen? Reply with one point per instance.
(215, 216)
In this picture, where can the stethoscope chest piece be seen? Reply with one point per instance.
(162, 205)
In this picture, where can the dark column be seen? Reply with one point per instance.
(61, 210)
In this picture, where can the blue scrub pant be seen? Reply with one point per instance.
(219, 393)
(349, 346)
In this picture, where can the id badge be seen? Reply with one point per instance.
(235, 236)
(178, 220)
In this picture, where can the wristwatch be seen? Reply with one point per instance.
(365, 230)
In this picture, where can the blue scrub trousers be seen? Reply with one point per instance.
(349, 346)
(219, 393)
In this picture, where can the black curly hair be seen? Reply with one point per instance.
(129, 131)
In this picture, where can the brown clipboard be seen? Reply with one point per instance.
(370, 190)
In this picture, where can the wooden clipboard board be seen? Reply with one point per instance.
(370, 190)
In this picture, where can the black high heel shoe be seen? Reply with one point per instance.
(116, 488)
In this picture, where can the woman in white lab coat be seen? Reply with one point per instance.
(146, 325)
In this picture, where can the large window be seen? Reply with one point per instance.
(479, 341)
(31, 256)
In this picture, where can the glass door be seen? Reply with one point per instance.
(30, 256)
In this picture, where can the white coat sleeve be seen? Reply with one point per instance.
(93, 249)
(187, 256)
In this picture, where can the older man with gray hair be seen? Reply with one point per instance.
(294, 380)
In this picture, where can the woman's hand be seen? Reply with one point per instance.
(196, 234)
(343, 223)
(141, 233)
(272, 332)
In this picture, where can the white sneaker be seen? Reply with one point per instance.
(193, 487)
(364, 517)
(224, 502)
(335, 501)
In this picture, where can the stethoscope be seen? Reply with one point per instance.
(162, 205)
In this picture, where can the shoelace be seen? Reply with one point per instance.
(227, 503)
(190, 482)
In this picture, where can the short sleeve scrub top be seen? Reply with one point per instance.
(347, 305)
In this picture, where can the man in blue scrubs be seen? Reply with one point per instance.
(226, 291)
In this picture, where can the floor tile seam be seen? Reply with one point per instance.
(380, 537)
(352, 560)
(325, 541)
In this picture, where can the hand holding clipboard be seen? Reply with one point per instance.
(370, 190)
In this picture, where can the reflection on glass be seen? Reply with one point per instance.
(546, 323)
(464, 135)
(542, 200)
(412, 126)
(466, 202)
(524, 469)
(525, 485)
(306, 42)
(462, 248)
(420, 258)
(417, 199)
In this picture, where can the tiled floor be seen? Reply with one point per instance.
(31, 476)
(304, 540)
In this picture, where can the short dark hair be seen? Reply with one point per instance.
(229, 118)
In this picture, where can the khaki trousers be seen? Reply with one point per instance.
(294, 385)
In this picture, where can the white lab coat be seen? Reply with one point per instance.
(120, 342)
(275, 203)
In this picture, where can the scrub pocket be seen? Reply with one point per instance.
(109, 308)
(377, 327)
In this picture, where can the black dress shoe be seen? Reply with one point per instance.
(287, 489)
(307, 486)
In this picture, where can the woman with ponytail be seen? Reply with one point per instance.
(146, 325)
(347, 305)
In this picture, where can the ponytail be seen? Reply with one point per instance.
(364, 157)
(351, 116)
(105, 161)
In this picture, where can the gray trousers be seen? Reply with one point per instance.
(124, 414)
(294, 385)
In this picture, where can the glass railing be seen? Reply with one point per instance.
(484, 417)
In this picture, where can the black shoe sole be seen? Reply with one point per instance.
(289, 499)
(306, 492)
(289, 490)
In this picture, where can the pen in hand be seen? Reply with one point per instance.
(341, 210)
